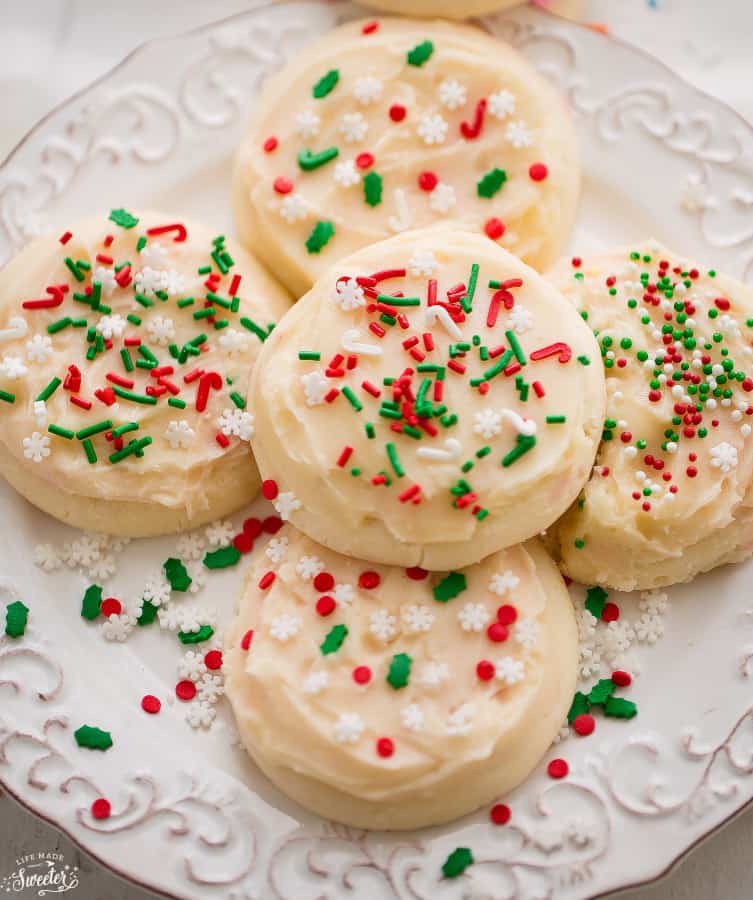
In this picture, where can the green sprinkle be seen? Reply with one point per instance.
(7, 397)
(136, 447)
(412, 432)
(500, 366)
(91, 602)
(204, 270)
(59, 325)
(619, 708)
(134, 319)
(601, 692)
(312, 355)
(50, 389)
(123, 218)
(186, 301)
(467, 300)
(369, 429)
(91, 430)
(140, 243)
(326, 84)
(399, 671)
(515, 347)
(398, 301)
(176, 574)
(144, 301)
(457, 862)
(372, 189)
(578, 707)
(135, 398)
(448, 420)
(196, 637)
(91, 453)
(93, 738)
(308, 161)
(491, 183)
(524, 444)
(238, 400)
(394, 460)
(334, 640)
(218, 301)
(61, 432)
(584, 360)
(450, 586)
(148, 613)
(596, 599)
(74, 269)
(125, 428)
(352, 399)
(205, 313)
(176, 402)
(420, 54)
(556, 420)
(16, 617)
(222, 558)
(252, 326)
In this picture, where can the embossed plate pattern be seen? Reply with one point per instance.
(191, 817)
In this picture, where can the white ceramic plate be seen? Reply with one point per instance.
(190, 815)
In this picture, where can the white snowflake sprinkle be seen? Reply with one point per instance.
(501, 104)
(13, 367)
(724, 457)
(473, 617)
(509, 670)
(423, 262)
(191, 546)
(103, 568)
(117, 628)
(487, 422)
(106, 277)
(433, 674)
(277, 549)
(315, 387)
(39, 408)
(519, 135)
(197, 572)
(412, 717)
(192, 666)
(346, 174)
(442, 198)
(157, 589)
(353, 127)
(39, 348)
(284, 627)
(200, 714)
(179, 434)
(286, 504)
(154, 255)
(348, 728)
(417, 618)
(219, 533)
(293, 208)
(307, 123)
(654, 602)
(459, 722)
(233, 341)
(236, 422)
(349, 294)
(309, 567)
(367, 89)
(520, 319)
(36, 447)
(526, 633)
(210, 688)
(432, 129)
(343, 594)
(316, 682)
(161, 330)
(452, 94)
(169, 617)
(382, 625)
(47, 557)
(111, 326)
(503, 582)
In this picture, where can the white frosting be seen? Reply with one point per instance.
(184, 476)
(303, 429)
(360, 200)
(459, 735)
(674, 505)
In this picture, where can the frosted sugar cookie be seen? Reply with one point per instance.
(395, 699)
(431, 400)
(671, 495)
(125, 353)
(383, 127)
(453, 9)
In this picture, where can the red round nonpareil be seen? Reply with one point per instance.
(272, 524)
(111, 607)
(325, 605)
(101, 808)
(252, 527)
(538, 171)
(270, 144)
(365, 160)
(497, 632)
(362, 674)
(500, 814)
(427, 181)
(610, 613)
(385, 747)
(185, 690)
(507, 614)
(494, 228)
(398, 112)
(369, 580)
(243, 543)
(269, 489)
(485, 670)
(213, 660)
(282, 185)
(151, 704)
(416, 573)
(584, 724)
(558, 768)
(324, 582)
(621, 678)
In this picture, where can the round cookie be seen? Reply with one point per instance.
(125, 353)
(429, 401)
(394, 699)
(671, 495)
(452, 9)
(383, 127)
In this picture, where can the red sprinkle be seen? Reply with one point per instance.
(270, 144)
(500, 814)
(610, 613)
(507, 614)
(538, 389)
(621, 678)
(246, 639)
(343, 458)
(538, 172)
(416, 573)
(243, 542)
(185, 690)
(365, 160)
(558, 768)
(101, 808)
(325, 605)
(362, 674)
(497, 632)
(266, 580)
(324, 582)
(111, 607)
(485, 670)
(272, 524)
(385, 747)
(252, 527)
(427, 181)
(494, 228)
(213, 660)
(370, 28)
(583, 725)
(369, 580)
(269, 489)
(65, 237)
(282, 185)
(151, 704)
(398, 112)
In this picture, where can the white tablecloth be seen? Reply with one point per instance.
(51, 48)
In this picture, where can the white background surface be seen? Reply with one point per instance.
(51, 48)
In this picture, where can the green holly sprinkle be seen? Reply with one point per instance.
(596, 600)
(334, 640)
(457, 862)
(420, 53)
(399, 672)
(326, 84)
(16, 617)
(148, 613)
(222, 558)
(91, 602)
(176, 574)
(321, 234)
(449, 587)
(93, 738)
(619, 708)
(491, 183)
(601, 692)
(123, 218)
(578, 707)
(196, 637)
(372, 189)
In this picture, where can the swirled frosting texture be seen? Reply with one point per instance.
(397, 709)
(415, 123)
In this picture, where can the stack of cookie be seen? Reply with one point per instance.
(405, 651)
